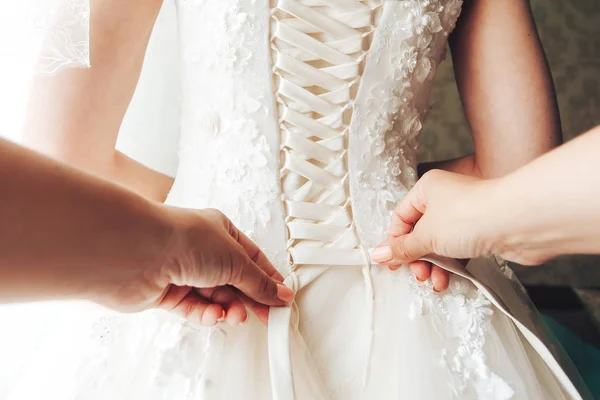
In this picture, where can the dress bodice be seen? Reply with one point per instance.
(253, 72)
(301, 118)
(300, 122)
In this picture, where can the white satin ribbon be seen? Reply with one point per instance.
(282, 377)
(283, 321)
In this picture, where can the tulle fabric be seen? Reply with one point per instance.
(76, 350)
(92, 353)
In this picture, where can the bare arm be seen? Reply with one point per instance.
(545, 209)
(67, 234)
(76, 116)
(505, 87)
(62, 228)
(552, 206)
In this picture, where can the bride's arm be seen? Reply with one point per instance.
(505, 87)
(75, 116)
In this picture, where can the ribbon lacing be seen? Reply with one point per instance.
(318, 51)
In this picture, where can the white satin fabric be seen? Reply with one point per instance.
(299, 119)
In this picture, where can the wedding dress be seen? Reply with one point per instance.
(300, 121)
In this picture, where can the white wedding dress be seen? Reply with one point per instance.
(300, 121)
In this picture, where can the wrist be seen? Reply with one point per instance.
(143, 240)
(520, 231)
(488, 213)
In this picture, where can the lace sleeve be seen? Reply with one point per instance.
(66, 37)
(37, 37)
(45, 36)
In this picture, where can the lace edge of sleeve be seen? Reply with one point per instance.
(66, 37)
(44, 36)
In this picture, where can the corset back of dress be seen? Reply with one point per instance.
(300, 121)
(251, 78)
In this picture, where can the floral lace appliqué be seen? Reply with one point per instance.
(54, 34)
(227, 143)
(388, 117)
(462, 315)
(66, 37)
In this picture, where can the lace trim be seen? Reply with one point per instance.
(67, 43)
(48, 35)
(318, 51)
(464, 315)
(235, 157)
(388, 118)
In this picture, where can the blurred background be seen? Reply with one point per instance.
(569, 287)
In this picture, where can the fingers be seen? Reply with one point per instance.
(255, 254)
(196, 308)
(407, 249)
(252, 280)
(249, 270)
(228, 298)
(260, 310)
(403, 244)
(407, 213)
(382, 254)
(411, 247)
(254, 275)
(423, 270)
(420, 269)
(206, 306)
(440, 278)
(401, 250)
(187, 303)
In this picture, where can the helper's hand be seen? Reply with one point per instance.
(210, 271)
(443, 214)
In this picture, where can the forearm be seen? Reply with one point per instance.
(120, 169)
(505, 85)
(75, 116)
(65, 233)
(145, 181)
(465, 165)
(550, 207)
(137, 177)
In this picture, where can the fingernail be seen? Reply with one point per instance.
(284, 293)
(381, 254)
(278, 277)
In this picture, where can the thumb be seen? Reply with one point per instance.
(250, 279)
(408, 248)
